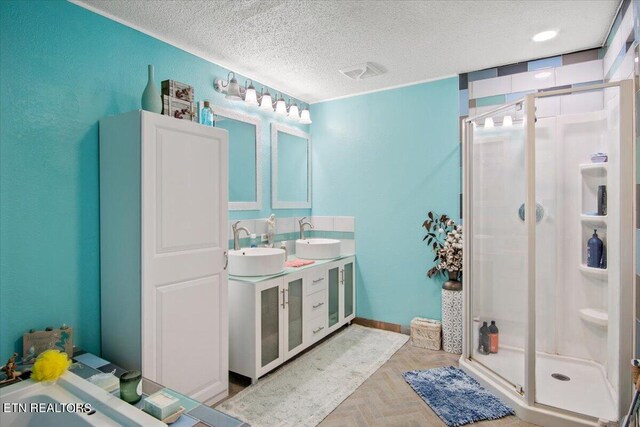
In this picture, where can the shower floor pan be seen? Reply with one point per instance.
(586, 392)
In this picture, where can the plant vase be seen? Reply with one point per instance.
(452, 314)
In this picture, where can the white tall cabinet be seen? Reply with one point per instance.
(163, 232)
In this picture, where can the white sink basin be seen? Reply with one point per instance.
(69, 389)
(256, 261)
(317, 248)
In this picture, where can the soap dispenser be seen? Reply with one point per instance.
(271, 230)
(594, 251)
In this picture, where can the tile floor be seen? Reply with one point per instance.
(386, 400)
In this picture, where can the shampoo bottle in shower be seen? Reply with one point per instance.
(602, 200)
(484, 344)
(594, 251)
(493, 337)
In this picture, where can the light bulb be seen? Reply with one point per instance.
(250, 97)
(544, 36)
(233, 90)
(293, 112)
(507, 121)
(488, 122)
(305, 117)
(281, 107)
(266, 103)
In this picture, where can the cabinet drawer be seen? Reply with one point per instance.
(316, 305)
(317, 281)
(315, 329)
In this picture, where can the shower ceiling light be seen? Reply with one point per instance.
(543, 36)
(542, 75)
(488, 122)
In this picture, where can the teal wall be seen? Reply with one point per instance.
(62, 68)
(387, 158)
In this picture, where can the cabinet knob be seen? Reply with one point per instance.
(320, 304)
(318, 330)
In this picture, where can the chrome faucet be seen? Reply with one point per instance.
(236, 234)
(302, 225)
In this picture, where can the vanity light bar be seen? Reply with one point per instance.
(263, 100)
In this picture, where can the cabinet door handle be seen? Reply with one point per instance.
(226, 260)
(320, 304)
(286, 290)
(282, 298)
(318, 280)
(318, 330)
(342, 276)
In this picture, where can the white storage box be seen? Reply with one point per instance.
(426, 333)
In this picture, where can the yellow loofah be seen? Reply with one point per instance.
(50, 365)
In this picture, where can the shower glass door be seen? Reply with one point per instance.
(576, 294)
(497, 280)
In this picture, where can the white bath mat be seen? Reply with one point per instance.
(306, 390)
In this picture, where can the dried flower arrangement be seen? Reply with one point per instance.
(445, 238)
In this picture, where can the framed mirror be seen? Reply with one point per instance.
(245, 173)
(290, 168)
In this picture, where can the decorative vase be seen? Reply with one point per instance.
(452, 314)
(453, 284)
(151, 100)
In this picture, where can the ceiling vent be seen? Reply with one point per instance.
(362, 71)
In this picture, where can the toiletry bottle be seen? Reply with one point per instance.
(602, 200)
(484, 339)
(594, 251)
(271, 230)
(283, 246)
(206, 115)
(493, 337)
(254, 240)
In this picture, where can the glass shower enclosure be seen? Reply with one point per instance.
(548, 226)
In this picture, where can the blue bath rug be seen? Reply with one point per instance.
(457, 398)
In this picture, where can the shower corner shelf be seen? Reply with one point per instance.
(594, 168)
(602, 272)
(593, 219)
(595, 316)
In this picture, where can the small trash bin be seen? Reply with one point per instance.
(426, 333)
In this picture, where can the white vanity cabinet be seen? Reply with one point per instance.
(163, 237)
(272, 320)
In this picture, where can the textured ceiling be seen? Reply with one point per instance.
(298, 46)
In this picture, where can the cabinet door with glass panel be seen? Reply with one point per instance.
(293, 314)
(269, 330)
(341, 292)
(280, 328)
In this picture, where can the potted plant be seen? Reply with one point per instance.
(445, 238)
